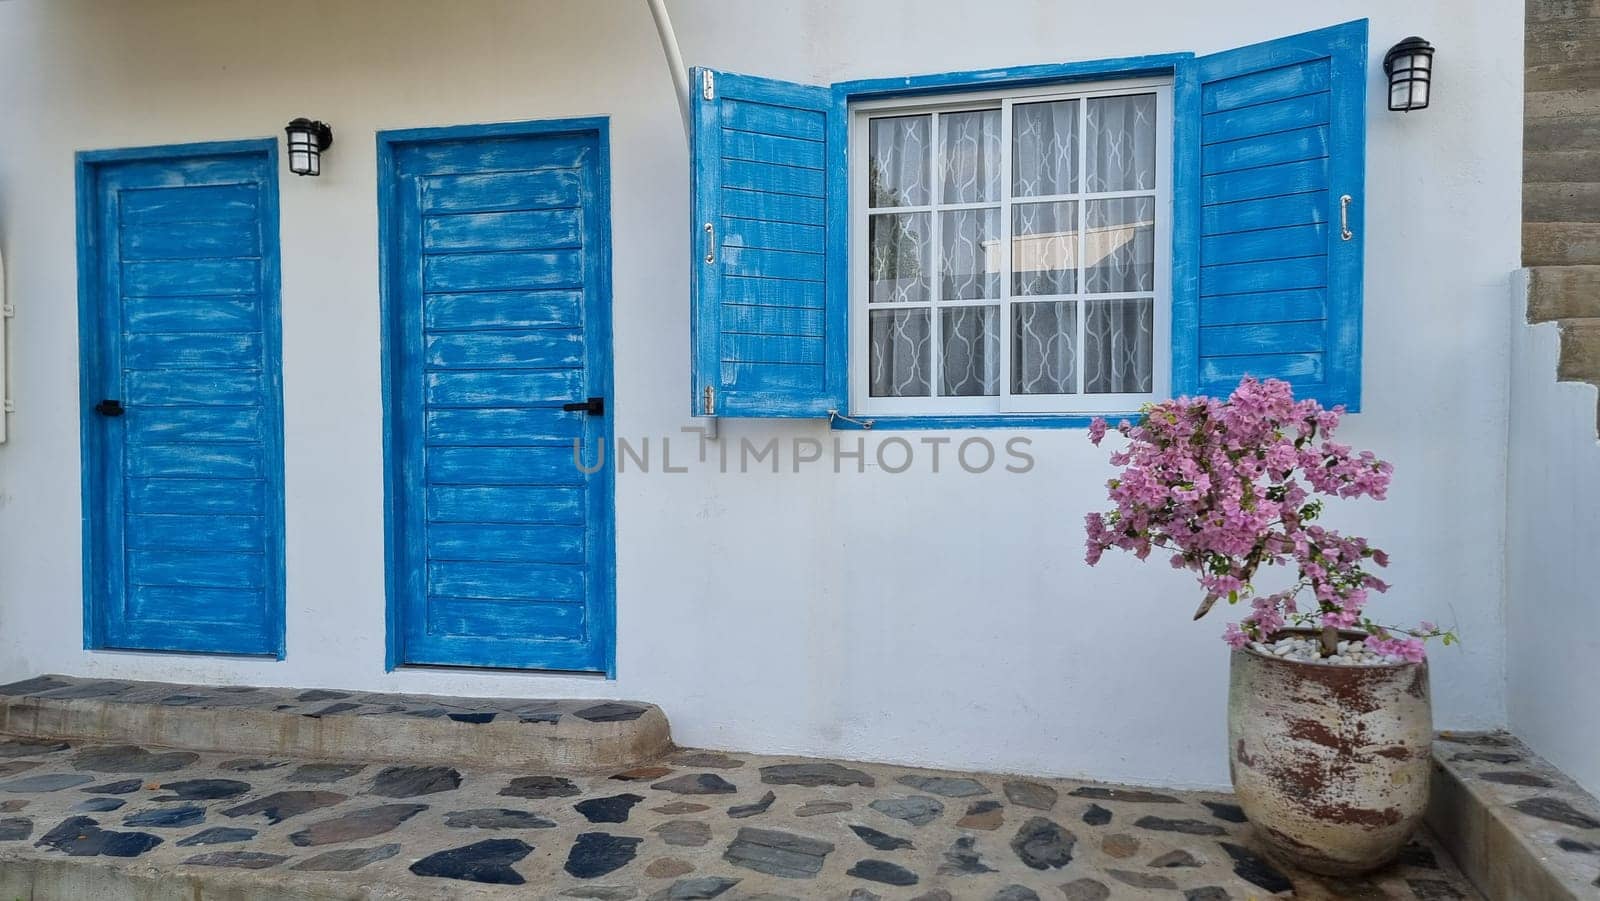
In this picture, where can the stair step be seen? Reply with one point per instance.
(1560, 244)
(1556, 10)
(1566, 133)
(571, 735)
(1559, 165)
(1563, 292)
(1580, 351)
(1561, 202)
(1573, 76)
(1561, 41)
(1558, 104)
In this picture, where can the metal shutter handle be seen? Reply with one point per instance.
(711, 243)
(1344, 217)
(109, 408)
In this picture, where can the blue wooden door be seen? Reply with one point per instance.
(182, 434)
(497, 293)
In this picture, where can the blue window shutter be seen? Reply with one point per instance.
(1281, 139)
(768, 233)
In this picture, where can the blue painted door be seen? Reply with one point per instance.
(182, 434)
(497, 269)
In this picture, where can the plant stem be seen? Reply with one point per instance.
(1330, 641)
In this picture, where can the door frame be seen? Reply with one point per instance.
(598, 365)
(93, 440)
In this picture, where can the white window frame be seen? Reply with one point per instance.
(1161, 326)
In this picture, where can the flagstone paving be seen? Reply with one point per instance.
(697, 825)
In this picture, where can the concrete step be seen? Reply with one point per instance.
(1561, 41)
(1556, 104)
(568, 735)
(1563, 292)
(1575, 76)
(1559, 165)
(1560, 243)
(1560, 10)
(1565, 133)
(1580, 351)
(1561, 202)
(1518, 827)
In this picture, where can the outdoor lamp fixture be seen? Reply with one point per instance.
(307, 140)
(1409, 65)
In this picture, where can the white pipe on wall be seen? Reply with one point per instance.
(669, 46)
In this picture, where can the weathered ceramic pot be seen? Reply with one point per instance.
(1330, 763)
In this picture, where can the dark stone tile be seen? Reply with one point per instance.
(684, 833)
(1125, 795)
(1207, 893)
(610, 892)
(33, 686)
(861, 894)
(937, 894)
(1185, 827)
(882, 871)
(1435, 890)
(612, 809)
(29, 747)
(356, 825)
(427, 713)
(411, 781)
(777, 853)
(1479, 740)
(333, 709)
(321, 694)
(1228, 813)
(668, 868)
(916, 810)
(240, 860)
(345, 860)
(986, 815)
(812, 775)
(203, 789)
(167, 817)
(538, 787)
(697, 784)
(740, 811)
(496, 818)
(250, 765)
(1577, 847)
(131, 759)
(15, 829)
(944, 786)
(818, 808)
(119, 787)
(88, 690)
(595, 854)
(97, 805)
(1500, 757)
(1556, 811)
(642, 773)
(674, 808)
(1119, 845)
(1178, 858)
(13, 767)
(1030, 794)
(324, 772)
(964, 859)
(695, 889)
(610, 712)
(488, 861)
(1254, 869)
(280, 806)
(1042, 845)
(881, 840)
(710, 760)
(218, 835)
(14, 804)
(1085, 890)
(1014, 892)
(47, 782)
(1096, 815)
(1416, 854)
(183, 700)
(82, 837)
(1517, 777)
(477, 718)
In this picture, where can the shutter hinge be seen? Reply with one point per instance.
(709, 404)
(708, 84)
(8, 311)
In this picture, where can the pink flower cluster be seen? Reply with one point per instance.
(1230, 486)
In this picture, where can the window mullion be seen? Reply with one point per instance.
(1083, 243)
(1006, 201)
(935, 261)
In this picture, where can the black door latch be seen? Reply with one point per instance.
(594, 406)
(109, 408)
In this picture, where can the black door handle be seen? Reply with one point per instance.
(594, 406)
(109, 408)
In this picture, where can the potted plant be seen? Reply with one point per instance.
(1329, 718)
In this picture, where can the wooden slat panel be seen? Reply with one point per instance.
(1267, 181)
(167, 387)
(189, 605)
(175, 278)
(766, 119)
(502, 389)
(772, 321)
(238, 313)
(210, 533)
(196, 496)
(1282, 306)
(191, 240)
(503, 271)
(147, 425)
(772, 207)
(513, 152)
(515, 427)
(790, 236)
(479, 542)
(1263, 338)
(201, 569)
(502, 466)
(745, 145)
(1273, 212)
(1271, 275)
(779, 264)
(773, 177)
(503, 309)
(192, 351)
(1265, 86)
(1217, 372)
(1268, 118)
(1265, 244)
(768, 292)
(1266, 150)
(557, 621)
(772, 349)
(208, 461)
(519, 581)
(500, 191)
(504, 349)
(214, 203)
(758, 377)
(518, 230)
(506, 504)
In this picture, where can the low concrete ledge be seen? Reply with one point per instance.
(1519, 829)
(574, 735)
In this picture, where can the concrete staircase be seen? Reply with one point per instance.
(1561, 178)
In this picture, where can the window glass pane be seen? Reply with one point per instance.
(900, 266)
(969, 254)
(969, 156)
(1044, 248)
(1117, 346)
(1043, 359)
(1119, 245)
(1121, 143)
(1044, 148)
(969, 351)
(899, 364)
(897, 161)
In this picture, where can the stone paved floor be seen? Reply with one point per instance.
(698, 825)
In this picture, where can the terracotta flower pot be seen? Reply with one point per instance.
(1330, 763)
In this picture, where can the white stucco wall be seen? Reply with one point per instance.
(1553, 516)
(940, 619)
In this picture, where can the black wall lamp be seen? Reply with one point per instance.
(307, 140)
(1409, 65)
